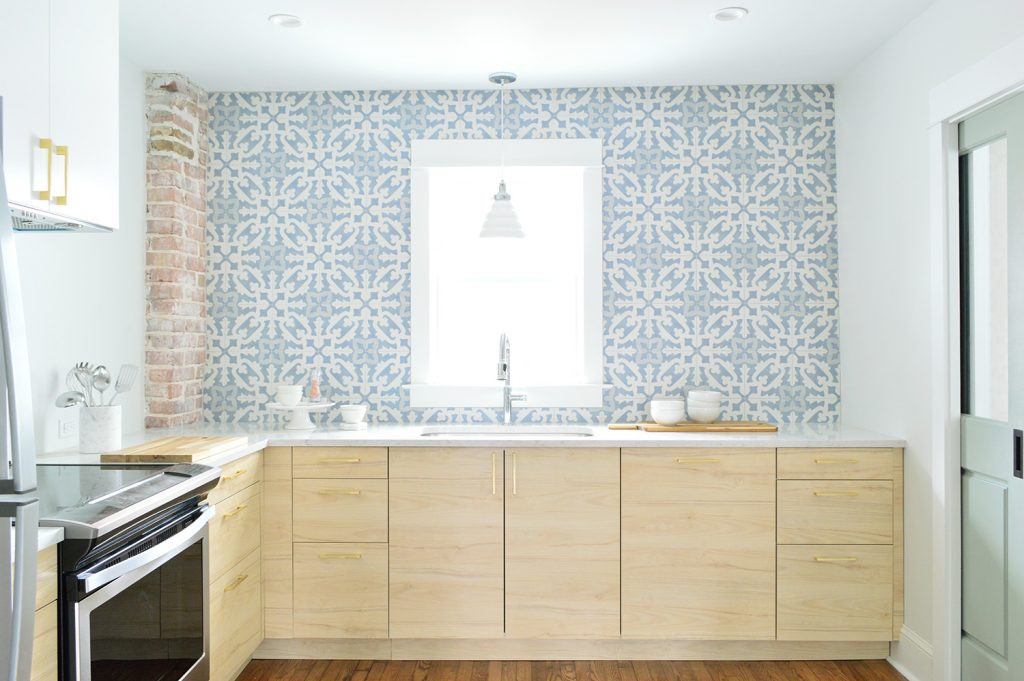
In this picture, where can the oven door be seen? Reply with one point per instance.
(148, 618)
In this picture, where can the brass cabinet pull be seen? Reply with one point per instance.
(47, 145)
(354, 459)
(494, 473)
(708, 460)
(515, 476)
(62, 200)
(341, 556)
(350, 492)
(835, 460)
(238, 509)
(237, 474)
(826, 559)
(851, 493)
(236, 583)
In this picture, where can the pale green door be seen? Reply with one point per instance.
(992, 375)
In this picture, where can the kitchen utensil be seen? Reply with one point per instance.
(352, 413)
(668, 411)
(125, 380)
(83, 379)
(69, 399)
(101, 381)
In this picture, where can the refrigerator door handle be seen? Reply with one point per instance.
(19, 595)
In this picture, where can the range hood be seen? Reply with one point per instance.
(27, 219)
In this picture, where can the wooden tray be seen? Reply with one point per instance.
(176, 449)
(687, 427)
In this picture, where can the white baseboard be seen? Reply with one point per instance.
(912, 655)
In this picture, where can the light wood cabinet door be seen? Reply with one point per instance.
(234, 530)
(831, 463)
(236, 476)
(44, 644)
(835, 593)
(446, 516)
(562, 543)
(340, 462)
(236, 622)
(46, 576)
(835, 512)
(337, 510)
(276, 542)
(698, 544)
(341, 590)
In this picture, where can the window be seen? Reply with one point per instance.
(544, 291)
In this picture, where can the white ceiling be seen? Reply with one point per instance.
(411, 44)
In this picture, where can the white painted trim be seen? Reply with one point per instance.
(427, 395)
(994, 78)
(911, 655)
(584, 153)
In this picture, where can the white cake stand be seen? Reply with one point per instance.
(299, 417)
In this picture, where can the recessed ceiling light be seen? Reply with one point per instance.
(730, 13)
(285, 20)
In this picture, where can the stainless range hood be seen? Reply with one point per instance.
(26, 219)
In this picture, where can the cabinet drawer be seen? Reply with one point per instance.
(44, 644)
(835, 512)
(341, 590)
(235, 530)
(235, 618)
(836, 463)
(719, 474)
(46, 576)
(835, 593)
(340, 510)
(236, 476)
(340, 462)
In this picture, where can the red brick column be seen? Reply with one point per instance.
(176, 159)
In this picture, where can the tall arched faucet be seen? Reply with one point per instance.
(505, 374)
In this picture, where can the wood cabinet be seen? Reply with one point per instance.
(562, 543)
(340, 510)
(446, 517)
(341, 590)
(340, 462)
(236, 624)
(234, 530)
(835, 512)
(64, 91)
(276, 542)
(698, 543)
(44, 635)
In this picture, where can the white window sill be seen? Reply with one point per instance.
(431, 395)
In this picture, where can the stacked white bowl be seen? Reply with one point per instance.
(288, 395)
(668, 411)
(704, 406)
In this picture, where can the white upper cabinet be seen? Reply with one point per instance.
(59, 82)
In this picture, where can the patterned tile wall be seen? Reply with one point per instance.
(720, 262)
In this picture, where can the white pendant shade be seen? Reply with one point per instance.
(501, 221)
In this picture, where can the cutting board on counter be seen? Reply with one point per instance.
(181, 449)
(718, 427)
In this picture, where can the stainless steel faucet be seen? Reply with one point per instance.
(505, 374)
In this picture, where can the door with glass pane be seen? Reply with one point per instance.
(992, 397)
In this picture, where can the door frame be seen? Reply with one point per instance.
(989, 81)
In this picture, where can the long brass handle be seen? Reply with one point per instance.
(237, 474)
(826, 461)
(827, 559)
(515, 476)
(236, 583)
(341, 556)
(494, 473)
(354, 459)
(836, 494)
(238, 509)
(63, 199)
(47, 144)
(708, 460)
(350, 492)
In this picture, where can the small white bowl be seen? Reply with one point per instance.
(704, 396)
(704, 414)
(352, 413)
(704, 404)
(289, 395)
(668, 412)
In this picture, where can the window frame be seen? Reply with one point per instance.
(582, 152)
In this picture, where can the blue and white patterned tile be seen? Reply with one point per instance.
(720, 255)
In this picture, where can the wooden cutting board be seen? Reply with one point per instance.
(719, 427)
(182, 449)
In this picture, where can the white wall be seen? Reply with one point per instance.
(85, 293)
(883, 165)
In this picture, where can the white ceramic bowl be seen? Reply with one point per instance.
(352, 413)
(705, 404)
(289, 395)
(704, 414)
(668, 412)
(704, 396)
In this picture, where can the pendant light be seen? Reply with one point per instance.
(501, 221)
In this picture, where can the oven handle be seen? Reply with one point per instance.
(93, 580)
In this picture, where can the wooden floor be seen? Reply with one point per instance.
(381, 670)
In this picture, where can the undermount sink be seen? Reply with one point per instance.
(506, 431)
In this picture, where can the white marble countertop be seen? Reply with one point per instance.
(400, 435)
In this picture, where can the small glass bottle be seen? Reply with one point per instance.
(313, 391)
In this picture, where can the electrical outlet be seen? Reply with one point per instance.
(67, 423)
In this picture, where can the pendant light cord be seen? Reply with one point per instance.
(501, 132)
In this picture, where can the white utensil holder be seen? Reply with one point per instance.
(99, 429)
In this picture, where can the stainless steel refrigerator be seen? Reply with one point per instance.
(19, 506)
